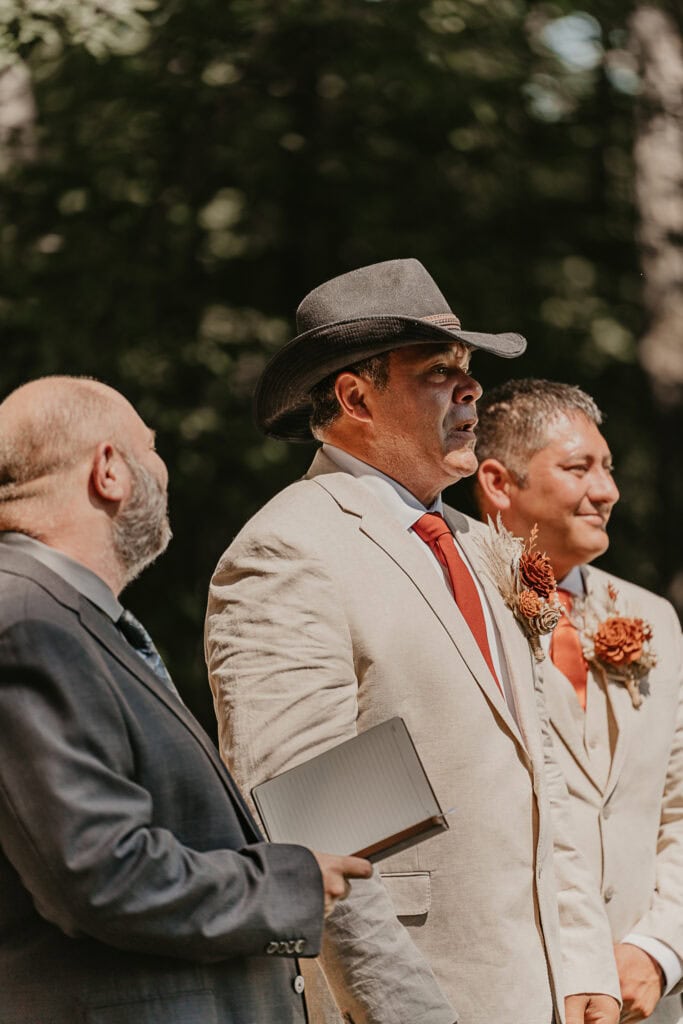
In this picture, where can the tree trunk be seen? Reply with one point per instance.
(658, 154)
(17, 116)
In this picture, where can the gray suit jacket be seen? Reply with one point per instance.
(134, 885)
(627, 796)
(324, 619)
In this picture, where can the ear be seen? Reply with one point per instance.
(351, 392)
(495, 485)
(110, 476)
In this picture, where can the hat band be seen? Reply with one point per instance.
(447, 320)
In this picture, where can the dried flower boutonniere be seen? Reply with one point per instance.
(525, 580)
(616, 646)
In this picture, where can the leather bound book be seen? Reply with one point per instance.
(369, 796)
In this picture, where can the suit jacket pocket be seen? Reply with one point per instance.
(197, 1007)
(410, 892)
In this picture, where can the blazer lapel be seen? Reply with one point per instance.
(622, 708)
(566, 717)
(105, 631)
(515, 646)
(384, 531)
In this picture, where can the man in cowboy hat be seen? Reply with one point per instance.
(545, 464)
(355, 595)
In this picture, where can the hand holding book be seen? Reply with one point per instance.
(369, 797)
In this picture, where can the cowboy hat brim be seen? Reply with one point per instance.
(282, 404)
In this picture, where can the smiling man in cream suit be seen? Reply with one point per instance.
(544, 461)
(332, 611)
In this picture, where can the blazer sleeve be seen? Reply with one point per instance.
(84, 835)
(283, 672)
(664, 919)
(587, 949)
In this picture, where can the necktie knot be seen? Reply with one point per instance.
(138, 637)
(134, 632)
(430, 527)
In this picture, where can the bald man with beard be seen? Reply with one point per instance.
(134, 884)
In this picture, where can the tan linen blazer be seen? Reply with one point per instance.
(628, 813)
(324, 619)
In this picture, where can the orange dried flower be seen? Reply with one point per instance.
(619, 641)
(529, 604)
(535, 573)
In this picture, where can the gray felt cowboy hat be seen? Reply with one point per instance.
(367, 311)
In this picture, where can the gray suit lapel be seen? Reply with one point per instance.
(375, 523)
(106, 633)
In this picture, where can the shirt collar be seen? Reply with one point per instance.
(573, 582)
(76, 575)
(396, 498)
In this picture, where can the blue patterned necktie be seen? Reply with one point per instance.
(138, 637)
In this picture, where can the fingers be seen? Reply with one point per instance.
(591, 1008)
(574, 1008)
(336, 873)
(355, 867)
(642, 981)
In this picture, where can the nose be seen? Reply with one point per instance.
(467, 390)
(603, 489)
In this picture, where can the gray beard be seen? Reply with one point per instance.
(141, 530)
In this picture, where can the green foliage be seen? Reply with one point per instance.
(184, 198)
(102, 28)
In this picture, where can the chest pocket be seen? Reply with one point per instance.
(410, 892)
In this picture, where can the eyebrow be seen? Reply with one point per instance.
(461, 356)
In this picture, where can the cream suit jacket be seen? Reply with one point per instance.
(324, 619)
(628, 809)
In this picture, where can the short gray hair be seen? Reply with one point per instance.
(514, 419)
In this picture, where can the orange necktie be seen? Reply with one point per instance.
(566, 652)
(434, 531)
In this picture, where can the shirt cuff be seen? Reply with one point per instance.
(670, 962)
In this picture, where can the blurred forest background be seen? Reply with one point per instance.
(175, 176)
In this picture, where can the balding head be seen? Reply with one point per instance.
(46, 427)
(78, 471)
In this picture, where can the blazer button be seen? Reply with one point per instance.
(606, 812)
(298, 984)
(608, 893)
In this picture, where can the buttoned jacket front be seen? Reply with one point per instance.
(324, 619)
(627, 795)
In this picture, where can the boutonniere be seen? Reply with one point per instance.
(616, 646)
(525, 580)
